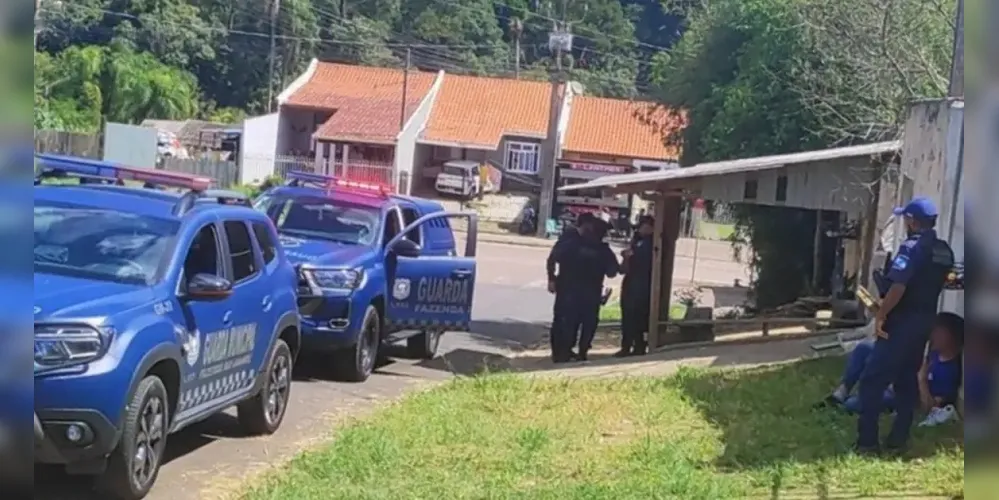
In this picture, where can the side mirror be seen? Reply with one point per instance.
(204, 286)
(406, 248)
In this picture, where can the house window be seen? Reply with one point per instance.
(749, 189)
(781, 193)
(522, 157)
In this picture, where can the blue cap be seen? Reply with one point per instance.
(921, 208)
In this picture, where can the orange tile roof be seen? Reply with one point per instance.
(479, 111)
(621, 128)
(367, 101)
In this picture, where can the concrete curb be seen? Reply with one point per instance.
(746, 341)
(524, 241)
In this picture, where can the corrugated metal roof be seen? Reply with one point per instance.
(737, 166)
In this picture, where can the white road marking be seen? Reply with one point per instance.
(537, 284)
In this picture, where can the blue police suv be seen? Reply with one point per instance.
(153, 309)
(374, 268)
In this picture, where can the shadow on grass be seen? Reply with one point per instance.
(767, 417)
(664, 362)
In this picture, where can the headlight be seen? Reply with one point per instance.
(64, 345)
(333, 279)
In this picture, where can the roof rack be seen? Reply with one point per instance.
(329, 182)
(87, 170)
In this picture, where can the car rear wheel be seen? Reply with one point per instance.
(357, 363)
(135, 463)
(424, 345)
(263, 413)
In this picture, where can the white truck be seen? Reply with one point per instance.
(460, 177)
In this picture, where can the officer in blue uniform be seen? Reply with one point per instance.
(557, 282)
(910, 288)
(583, 263)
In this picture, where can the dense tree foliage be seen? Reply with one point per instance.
(760, 77)
(226, 46)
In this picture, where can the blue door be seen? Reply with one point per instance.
(431, 291)
(198, 322)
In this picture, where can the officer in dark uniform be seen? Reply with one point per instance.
(582, 269)
(910, 289)
(557, 283)
(636, 264)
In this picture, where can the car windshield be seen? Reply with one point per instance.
(321, 218)
(101, 244)
(452, 170)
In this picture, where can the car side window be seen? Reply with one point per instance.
(244, 264)
(266, 242)
(410, 216)
(203, 257)
(391, 227)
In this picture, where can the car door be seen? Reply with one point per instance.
(202, 320)
(432, 290)
(253, 316)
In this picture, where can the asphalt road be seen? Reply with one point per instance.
(511, 309)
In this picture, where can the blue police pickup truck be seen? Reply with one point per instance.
(153, 310)
(374, 268)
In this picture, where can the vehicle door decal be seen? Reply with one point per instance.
(226, 365)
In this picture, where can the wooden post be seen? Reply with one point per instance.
(667, 229)
(659, 212)
(817, 251)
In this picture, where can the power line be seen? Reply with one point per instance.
(429, 51)
(257, 34)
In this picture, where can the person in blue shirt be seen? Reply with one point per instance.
(910, 293)
(939, 377)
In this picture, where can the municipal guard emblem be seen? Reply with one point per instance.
(401, 288)
(192, 347)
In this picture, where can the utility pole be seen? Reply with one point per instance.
(957, 65)
(559, 40)
(37, 28)
(405, 88)
(275, 9)
(517, 27)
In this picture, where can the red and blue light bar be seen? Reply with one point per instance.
(331, 182)
(87, 168)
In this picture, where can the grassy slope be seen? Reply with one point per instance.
(694, 435)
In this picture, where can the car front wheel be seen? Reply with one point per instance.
(135, 463)
(357, 363)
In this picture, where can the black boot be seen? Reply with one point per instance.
(640, 349)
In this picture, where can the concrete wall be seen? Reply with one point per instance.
(295, 129)
(258, 148)
(932, 159)
(131, 145)
(406, 147)
(842, 185)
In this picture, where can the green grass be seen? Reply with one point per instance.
(611, 312)
(715, 231)
(696, 435)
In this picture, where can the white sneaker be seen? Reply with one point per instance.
(939, 416)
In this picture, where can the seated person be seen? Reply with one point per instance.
(939, 377)
(979, 383)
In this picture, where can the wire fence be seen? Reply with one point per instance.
(359, 171)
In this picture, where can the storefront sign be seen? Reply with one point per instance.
(599, 167)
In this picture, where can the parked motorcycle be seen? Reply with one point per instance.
(528, 221)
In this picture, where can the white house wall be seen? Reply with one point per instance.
(405, 149)
(258, 148)
(931, 158)
(133, 145)
(828, 185)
